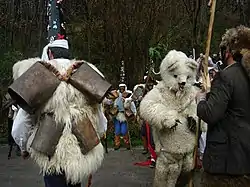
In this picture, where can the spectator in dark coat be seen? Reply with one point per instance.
(226, 159)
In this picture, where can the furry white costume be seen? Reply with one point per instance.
(166, 107)
(67, 105)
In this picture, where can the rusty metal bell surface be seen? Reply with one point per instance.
(47, 135)
(85, 134)
(88, 81)
(34, 87)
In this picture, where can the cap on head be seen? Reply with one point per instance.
(122, 85)
(56, 43)
(60, 43)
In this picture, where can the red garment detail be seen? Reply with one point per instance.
(89, 180)
(60, 36)
(145, 163)
(151, 150)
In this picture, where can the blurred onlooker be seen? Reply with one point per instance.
(212, 72)
(146, 130)
(11, 116)
(200, 62)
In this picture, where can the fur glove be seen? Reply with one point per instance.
(192, 124)
(171, 127)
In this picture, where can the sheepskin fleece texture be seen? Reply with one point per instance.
(121, 117)
(22, 66)
(67, 104)
(246, 62)
(169, 167)
(165, 104)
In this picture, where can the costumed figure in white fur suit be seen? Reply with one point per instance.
(61, 131)
(171, 111)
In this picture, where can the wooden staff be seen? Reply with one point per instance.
(205, 78)
(149, 75)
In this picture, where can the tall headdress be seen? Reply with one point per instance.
(237, 40)
(56, 28)
(122, 75)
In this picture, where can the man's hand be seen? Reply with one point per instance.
(200, 96)
(25, 154)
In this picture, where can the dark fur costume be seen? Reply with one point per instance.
(209, 180)
(238, 41)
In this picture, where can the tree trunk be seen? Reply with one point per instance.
(41, 10)
(13, 22)
(196, 11)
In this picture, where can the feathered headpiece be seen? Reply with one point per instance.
(56, 29)
(238, 41)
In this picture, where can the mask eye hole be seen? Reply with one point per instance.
(175, 76)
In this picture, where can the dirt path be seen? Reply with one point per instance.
(117, 171)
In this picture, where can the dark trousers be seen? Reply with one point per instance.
(211, 180)
(11, 141)
(10, 138)
(57, 181)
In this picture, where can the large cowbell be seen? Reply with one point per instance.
(34, 87)
(89, 82)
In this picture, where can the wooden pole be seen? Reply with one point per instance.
(205, 79)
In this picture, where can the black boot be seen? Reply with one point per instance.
(117, 148)
(152, 165)
(145, 151)
(145, 145)
(18, 151)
